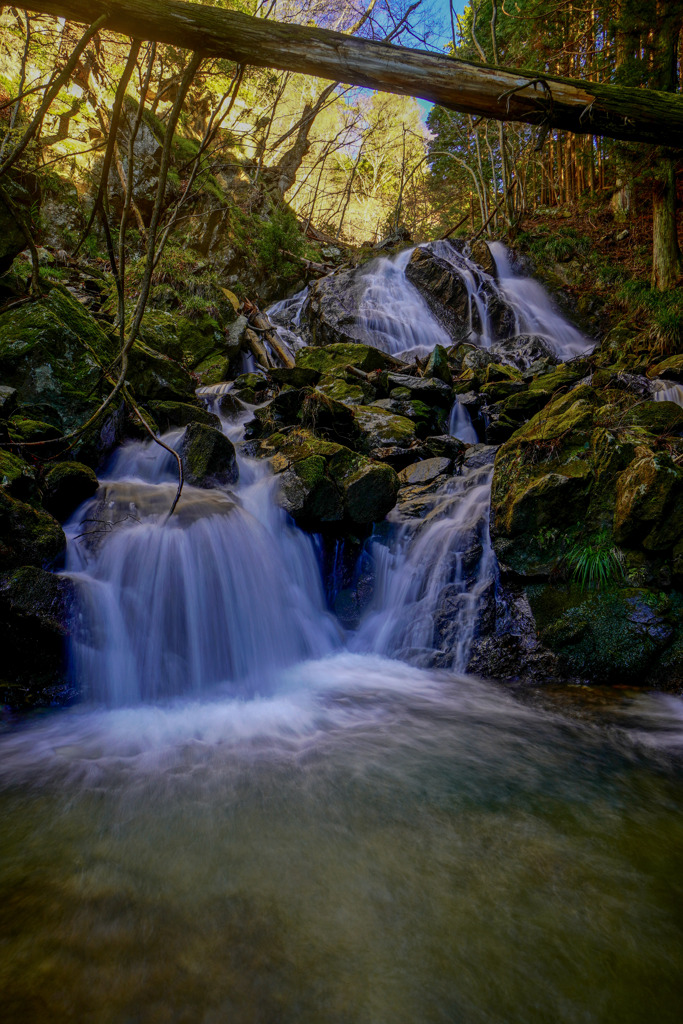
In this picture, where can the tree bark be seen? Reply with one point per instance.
(578, 106)
(666, 255)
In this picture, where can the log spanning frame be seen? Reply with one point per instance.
(550, 102)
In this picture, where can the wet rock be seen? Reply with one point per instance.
(437, 365)
(444, 290)
(668, 369)
(208, 457)
(66, 486)
(231, 407)
(446, 447)
(17, 477)
(178, 414)
(295, 376)
(432, 391)
(28, 535)
(446, 293)
(523, 350)
(8, 401)
(383, 429)
(284, 410)
(325, 485)
(332, 307)
(611, 637)
(649, 502)
(36, 609)
(334, 358)
(426, 471)
(483, 257)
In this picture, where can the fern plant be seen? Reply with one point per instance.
(595, 562)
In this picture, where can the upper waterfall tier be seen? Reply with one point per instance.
(434, 294)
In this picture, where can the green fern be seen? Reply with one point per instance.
(595, 562)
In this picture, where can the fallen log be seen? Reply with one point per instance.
(586, 108)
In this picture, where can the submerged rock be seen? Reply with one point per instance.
(208, 457)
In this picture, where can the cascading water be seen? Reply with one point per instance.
(223, 592)
(314, 833)
(226, 592)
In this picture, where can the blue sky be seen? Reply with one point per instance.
(442, 10)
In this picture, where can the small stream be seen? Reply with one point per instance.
(264, 814)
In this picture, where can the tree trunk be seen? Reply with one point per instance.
(666, 255)
(577, 106)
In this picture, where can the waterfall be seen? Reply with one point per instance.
(433, 582)
(227, 594)
(224, 592)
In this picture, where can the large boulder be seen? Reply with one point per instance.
(66, 486)
(612, 636)
(447, 292)
(334, 358)
(178, 414)
(28, 535)
(332, 309)
(324, 485)
(649, 502)
(208, 457)
(53, 353)
(36, 611)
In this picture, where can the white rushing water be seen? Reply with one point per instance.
(224, 592)
(227, 595)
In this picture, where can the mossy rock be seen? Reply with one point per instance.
(295, 376)
(251, 388)
(437, 365)
(208, 457)
(178, 414)
(383, 429)
(28, 536)
(428, 420)
(8, 401)
(325, 485)
(668, 369)
(154, 376)
(495, 373)
(333, 359)
(53, 353)
(341, 390)
(36, 609)
(329, 418)
(159, 331)
(214, 369)
(66, 486)
(17, 477)
(649, 502)
(23, 430)
(284, 410)
(200, 339)
(656, 417)
(431, 391)
(610, 637)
